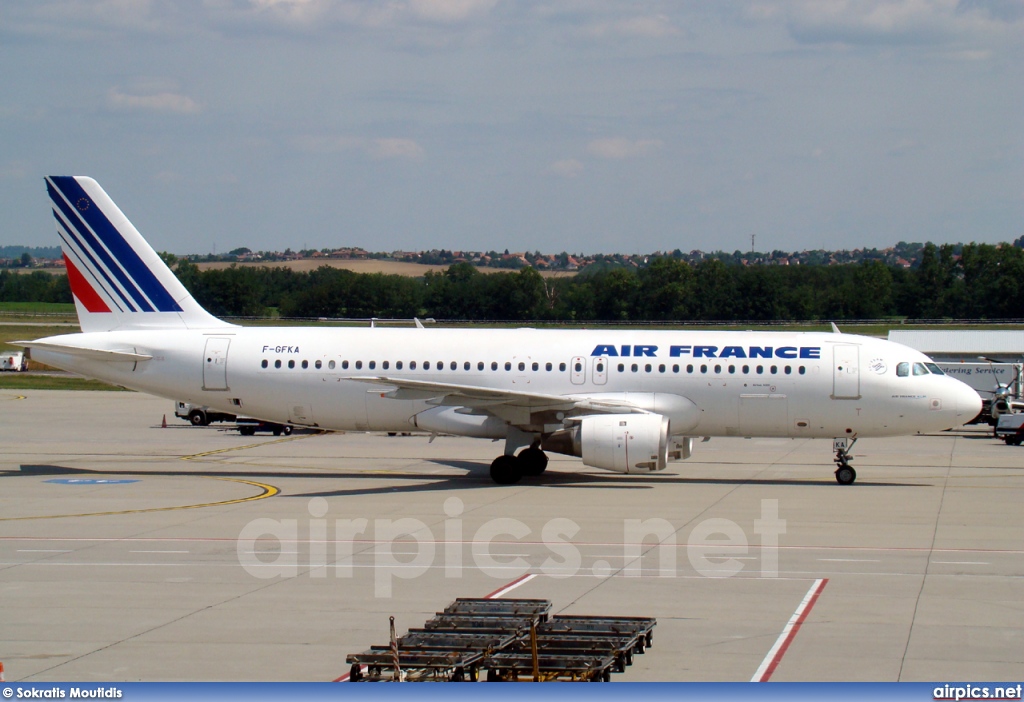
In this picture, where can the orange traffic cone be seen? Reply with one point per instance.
(163, 424)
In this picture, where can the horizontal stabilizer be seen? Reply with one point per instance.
(82, 352)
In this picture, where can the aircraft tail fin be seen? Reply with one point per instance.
(117, 279)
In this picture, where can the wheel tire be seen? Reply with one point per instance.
(845, 475)
(198, 418)
(277, 432)
(505, 470)
(532, 462)
(287, 431)
(355, 673)
(247, 431)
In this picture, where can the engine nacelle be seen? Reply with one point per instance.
(624, 443)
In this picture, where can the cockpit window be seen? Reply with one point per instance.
(919, 369)
(903, 369)
(934, 369)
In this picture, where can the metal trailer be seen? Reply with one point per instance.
(428, 655)
(513, 640)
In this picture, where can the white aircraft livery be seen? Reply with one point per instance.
(626, 401)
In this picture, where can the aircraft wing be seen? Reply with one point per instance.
(492, 399)
(83, 352)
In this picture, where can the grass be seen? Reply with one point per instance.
(24, 381)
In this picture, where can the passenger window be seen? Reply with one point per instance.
(522, 366)
(535, 366)
(291, 364)
(330, 365)
(426, 365)
(919, 369)
(264, 364)
(412, 365)
(440, 365)
(305, 364)
(689, 368)
(561, 367)
(622, 368)
(760, 370)
(746, 370)
(277, 363)
(372, 365)
(359, 365)
(548, 366)
(480, 365)
(789, 370)
(703, 368)
(465, 366)
(494, 365)
(578, 366)
(718, 369)
(634, 368)
(903, 369)
(398, 365)
(508, 365)
(675, 368)
(802, 370)
(661, 368)
(600, 367)
(647, 368)
(385, 365)
(318, 365)
(774, 370)
(344, 365)
(732, 369)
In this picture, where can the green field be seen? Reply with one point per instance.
(25, 381)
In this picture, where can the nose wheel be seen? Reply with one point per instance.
(845, 474)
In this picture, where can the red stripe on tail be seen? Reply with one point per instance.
(84, 292)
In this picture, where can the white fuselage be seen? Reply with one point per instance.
(741, 383)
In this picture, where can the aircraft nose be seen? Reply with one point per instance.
(968, 402)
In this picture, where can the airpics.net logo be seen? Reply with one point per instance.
(408, 548)
(966, 693)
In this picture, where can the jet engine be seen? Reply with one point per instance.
(624, 443)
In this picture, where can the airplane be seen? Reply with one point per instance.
(629, 401)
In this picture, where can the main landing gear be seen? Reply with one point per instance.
(845, 474)
(508, 470)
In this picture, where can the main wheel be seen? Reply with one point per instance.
(247, 431)
(505, 470)
(532, 461)
(198, 418)
(845, 475)
(287, 430)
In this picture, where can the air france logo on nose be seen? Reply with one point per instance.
(697, 351)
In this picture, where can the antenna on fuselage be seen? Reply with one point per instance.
(835, 329)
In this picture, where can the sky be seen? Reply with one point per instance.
(587, 126)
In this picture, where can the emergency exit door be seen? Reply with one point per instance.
(845, 372)
(215, 364)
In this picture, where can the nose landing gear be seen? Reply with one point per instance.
(845, 474)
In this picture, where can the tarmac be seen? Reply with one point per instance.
(130, 551)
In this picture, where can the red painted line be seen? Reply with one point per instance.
(774, 657)
(494, 595)
(511, 586)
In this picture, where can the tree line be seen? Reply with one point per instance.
(975, 281)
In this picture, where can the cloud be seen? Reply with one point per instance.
(567, 168)
(381, 148)
(619, 148)
(157, 102)
(645, 26)
(395, 148)
(891, 21)
(450, 10)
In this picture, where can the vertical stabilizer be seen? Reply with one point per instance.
(117, 279)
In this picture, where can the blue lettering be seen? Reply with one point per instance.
(810, 352)
(265, 347)
(604, 350)
(733, 352)
(644, 350)
(760, 351)
(704, 351)
(625, 350)
(786, 352)
(676, 351)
